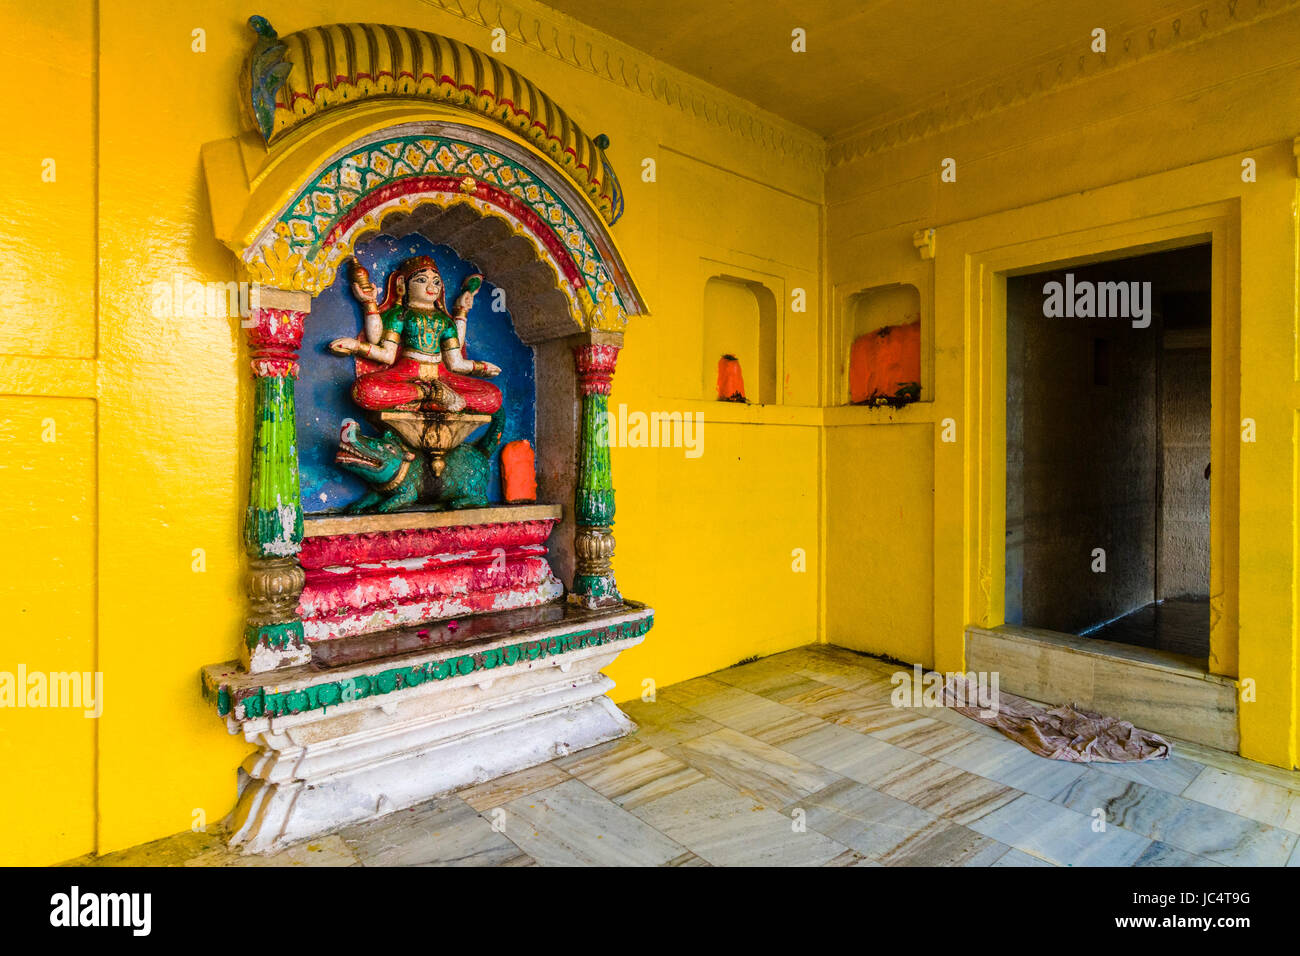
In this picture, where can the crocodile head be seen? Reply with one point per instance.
(377, 460)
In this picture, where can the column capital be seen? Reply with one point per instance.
(274, 338)
(595, 365)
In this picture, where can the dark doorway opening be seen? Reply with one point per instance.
(1108, 451)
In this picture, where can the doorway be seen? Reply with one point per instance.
(1108, 439)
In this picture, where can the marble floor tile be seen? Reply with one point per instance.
(176, 850)
(826, 702)
(662, 722)
(864, 819)
(841, 677)
(1162, 854)
(629, 772)
(1014, 857)
(1234, 764)
(801, 759)
(494, 793)
(1194, 827)
(848, 662)
(789, 727)
(572, 825)
(445, 832)
(1011, 765)
(927, 737)
(851, 754)
(726, 828)
(771, 775)
(775, 681)
(950, 845)
(1059, 835)
(962, 722)
(1171, 775)
(948, 792)
(852, 710)
(738, 709)
(1266, 802)
(851, 858)
(691, 691)
(687, 859)
(326, 851)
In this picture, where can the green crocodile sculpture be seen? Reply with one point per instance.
(400, 476)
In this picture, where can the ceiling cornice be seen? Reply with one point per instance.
(1126, 45)
(586, 49)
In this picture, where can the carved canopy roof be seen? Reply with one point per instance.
(290, 80)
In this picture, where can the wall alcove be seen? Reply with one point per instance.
(885, 363)
(740, 320)
(396, 640)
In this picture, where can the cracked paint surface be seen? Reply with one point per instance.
(357, 584)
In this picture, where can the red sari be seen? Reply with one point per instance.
(411, 385)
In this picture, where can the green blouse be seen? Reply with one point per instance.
(422, 331)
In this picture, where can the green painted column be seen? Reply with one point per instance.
(593, 543)
(273, 529)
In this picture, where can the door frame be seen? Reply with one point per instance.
(984, 286)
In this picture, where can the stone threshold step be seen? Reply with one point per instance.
(1181, 664)
(1156, 690)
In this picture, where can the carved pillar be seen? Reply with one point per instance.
(273, 635)
(593, 544)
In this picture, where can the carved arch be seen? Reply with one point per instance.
(362, 128)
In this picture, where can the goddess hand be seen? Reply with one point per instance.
(468, 289)
(365, 293)
(344, 346)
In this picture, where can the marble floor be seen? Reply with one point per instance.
(1178, 625)
(801, 760)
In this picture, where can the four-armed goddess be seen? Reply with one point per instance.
(418, 346)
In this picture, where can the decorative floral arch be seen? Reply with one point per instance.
(402, 120)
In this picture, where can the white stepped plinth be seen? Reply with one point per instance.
(469, 714)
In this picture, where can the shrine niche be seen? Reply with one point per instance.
(438, 310)
(884, 366)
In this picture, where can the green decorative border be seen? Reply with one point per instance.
(308, 222)
(261, 703)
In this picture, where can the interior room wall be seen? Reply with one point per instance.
(1183, 549)
(1069, 153)
(164, 473)
(1082, 405)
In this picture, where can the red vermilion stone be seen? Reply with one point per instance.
(884, 362)
(518, 472)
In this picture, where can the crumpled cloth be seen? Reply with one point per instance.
(1059, 733)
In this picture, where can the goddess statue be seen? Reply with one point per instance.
(417, 345)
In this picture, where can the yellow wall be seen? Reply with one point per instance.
(150, 462)
(1130, 153)
(154, 434)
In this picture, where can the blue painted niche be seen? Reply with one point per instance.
(324, 388)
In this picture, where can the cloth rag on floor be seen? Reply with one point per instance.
(1061, 733)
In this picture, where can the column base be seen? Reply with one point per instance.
(594, 592)
(270, 646)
